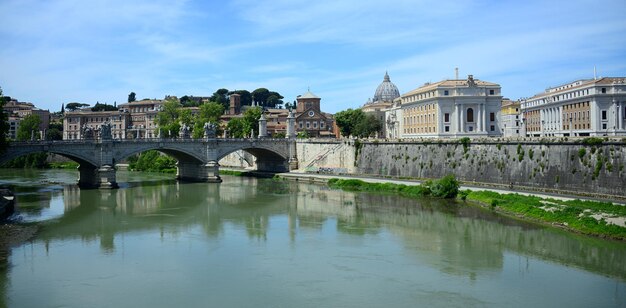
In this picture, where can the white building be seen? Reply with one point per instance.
(592, 107)
(452, 108)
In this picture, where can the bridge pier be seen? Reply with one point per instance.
(94, 177)
(198, 172)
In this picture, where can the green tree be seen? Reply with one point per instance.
(209, 113)
(260, 96)
(4, 124)
(103, 107)
(153, 161)
(242, 127)
(221, 97)
(171, 116)
(29, 127)
(237, 128)
(347, 121)
(367, 126)
(274, 100)
(54, 134)
(74, 106)
(132, 97)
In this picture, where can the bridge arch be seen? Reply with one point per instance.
(267, 159)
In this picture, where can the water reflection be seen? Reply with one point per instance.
(446, 236)
(457, 239)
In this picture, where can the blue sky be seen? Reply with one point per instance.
(55, 52)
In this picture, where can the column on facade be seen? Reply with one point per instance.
(462, 119)
(458, 118)
(620, 117)
(484, 116)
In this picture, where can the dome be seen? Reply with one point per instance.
(386, 91)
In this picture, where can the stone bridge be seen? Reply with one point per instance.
(197, 158)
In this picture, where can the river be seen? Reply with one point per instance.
(262, 243)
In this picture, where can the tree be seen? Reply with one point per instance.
(54, 134)
(4, 124)
(221, 97)
(74, 106)
(242, 127)
(274, 100)
(347, 121)
(209, 113)
(103, 107)
(189, 101)
(237, 128)
(246, 97)
(132, 97)
(367, 126)
(29, 127)
(260, 96)
(171, 116)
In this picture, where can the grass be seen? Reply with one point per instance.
(574, 214)
(232, 172)
(64, 165)
(446, 187)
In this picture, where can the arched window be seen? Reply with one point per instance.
(470, 115)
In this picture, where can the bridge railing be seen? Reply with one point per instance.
(142, 140)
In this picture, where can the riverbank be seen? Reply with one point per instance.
(586, 216)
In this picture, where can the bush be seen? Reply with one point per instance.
(446, 187)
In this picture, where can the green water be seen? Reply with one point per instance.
(261, 243)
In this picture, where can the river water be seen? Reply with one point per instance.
(261, 243)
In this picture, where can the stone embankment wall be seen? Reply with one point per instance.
(541, 165)
(537, 165)
(326, 156)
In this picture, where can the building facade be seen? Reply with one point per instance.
(311, 119)
(452, 108)
(76, 122)
(510, 118)
(591, 107)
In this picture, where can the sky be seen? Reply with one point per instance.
(59, 51)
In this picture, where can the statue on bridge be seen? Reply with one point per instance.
(105, 131)
(183, 133)
(209, 130)
(87, 133)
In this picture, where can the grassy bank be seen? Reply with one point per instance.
(595, 218)
(64, 165)
(446, 187)
(587, 217)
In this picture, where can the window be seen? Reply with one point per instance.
(470, 115)
(517, 131)
(308, 124)
(603, 90)
(491, 92)
(322, 124)
(603, 125)
(446, 128)
(445, 92)
(446, 117)
(492, 128)
(314, 124)
(300, 124)
(471, 128)
(603, 114)
(492, 116)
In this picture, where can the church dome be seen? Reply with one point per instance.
(386, 91)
